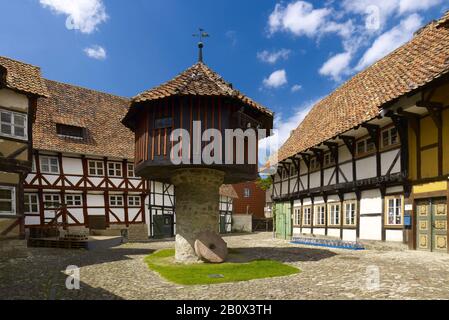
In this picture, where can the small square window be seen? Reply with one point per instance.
(114, 169)
(52, 201)
(131, 173)
(134, 201)
(7, 200)
(49, 165)
(96, 168)
(31, 203)
(116, 201)
(73, 200)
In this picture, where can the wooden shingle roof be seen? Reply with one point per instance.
(228, 190)
(100, 114)
(197, 80)
(23, 77)
(361, 99)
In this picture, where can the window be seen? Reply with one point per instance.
(96, 168)
(334, 214)
(293, 171)
(314, 164)
(31, 203)
(13, 124)
(350, 213)
(72, 132)
(365, 146)
(246, 193)
(329, 160)
(285, 174)
(134, 201)
(390, 137)
(116, 201)
(394, 211)
(131, 173)
(297, 217)
(52, 201)
(114, 169)
(7, 200)
(307, 216)
(33, 164)
(320, 215)
(73, 200)
(49, 165)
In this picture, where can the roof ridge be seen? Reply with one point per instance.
(21, 62)
(87, 89)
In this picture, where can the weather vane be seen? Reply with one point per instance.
(202, 35)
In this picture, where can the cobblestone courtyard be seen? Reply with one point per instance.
(121, 273)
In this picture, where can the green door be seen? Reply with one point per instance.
(283, 220)
(432, 225)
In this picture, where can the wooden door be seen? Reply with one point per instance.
(283, 220)
(432, 225)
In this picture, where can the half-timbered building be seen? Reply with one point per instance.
(83, 170)
(21, 86)
(369, 162)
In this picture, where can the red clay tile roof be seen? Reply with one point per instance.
(197, 80)
(23, 77)
(415, 64)
(228, 190)
(99, 113)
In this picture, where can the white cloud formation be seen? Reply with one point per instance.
(283, 128)
(96, 52)
(276, 79)
(298, 17)
(390, 40)
(82, 15)
(296, 88)
(417, 5)
(336, 66)
(274, 56)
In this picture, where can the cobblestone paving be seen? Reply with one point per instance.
(120, 273)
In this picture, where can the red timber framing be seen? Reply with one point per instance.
(84, 185)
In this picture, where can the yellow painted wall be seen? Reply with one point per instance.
(430, 187)
(429, 163)
(413, 162)
(8, 147)
(10, 178)
(446, 141)
(429, 132)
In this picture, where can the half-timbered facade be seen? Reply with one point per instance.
(83, 169)
(20, 88)
(371, 156)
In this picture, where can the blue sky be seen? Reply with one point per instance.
(284, 54)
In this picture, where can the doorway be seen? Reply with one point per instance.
(432, 220)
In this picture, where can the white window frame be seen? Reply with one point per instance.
(131, 170)
(320, 215)
(114, 200)
(12, 200)
(132, 201)
(55, 199)
(334, 214)
(13, 126)
(29, 204)
(329, 160)
(45, 161)
(350, 217)
(74, 200)
(97, 166)
(390, 137)
(246, 193)
(307, 216)
(116, 168)
(297, 216)
(366, 142)
(394, 205)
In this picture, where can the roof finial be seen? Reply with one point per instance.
(202, 34)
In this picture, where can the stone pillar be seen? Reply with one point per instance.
(197, 208)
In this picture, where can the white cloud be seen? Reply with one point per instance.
(232, 37)
(336, 66)
(283, 128)
(296, 88)
(299, 18)
(390, 41)
(276, 79)
(415, 5)
(96, 52)
(83, 15)
(273, 57)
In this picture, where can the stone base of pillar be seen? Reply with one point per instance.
(197, 193)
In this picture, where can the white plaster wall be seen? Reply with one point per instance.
(328, 174)
(307, 202)
(132, 212)
(349, 235)
(32, 221)
(394, 235)
(242, 223)
(319, 231)
(371, 202)
(387, 159)
(72, 166)
(344, 154)
(371, 228)
(335, 233)
(333, 198)
(306, 230)
(304, 183)
(77, 214)
(315, 180)
(303, 167)
(366, 168)
(96, 211)
(350, 196)
(397, 189)
(297, 203)
(296, 231)
(13, 100)
(119, 212)
(285, 187)
(293, 185)
(319, 200)
(347, 171)
(73, 179)
(95, 200)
